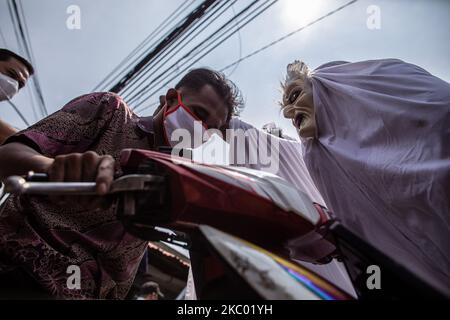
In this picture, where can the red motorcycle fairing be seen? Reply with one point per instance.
(233, 202)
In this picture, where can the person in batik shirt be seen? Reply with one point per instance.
(41, 237)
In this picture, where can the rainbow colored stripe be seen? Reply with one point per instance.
(322, 288)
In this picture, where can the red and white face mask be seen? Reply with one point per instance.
(182, 128)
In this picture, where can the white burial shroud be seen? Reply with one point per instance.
(381, 159)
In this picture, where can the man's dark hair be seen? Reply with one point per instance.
(196, 79)
(6, 54)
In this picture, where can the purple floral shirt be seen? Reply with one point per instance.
(45, 239)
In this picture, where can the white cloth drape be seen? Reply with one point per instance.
(292, 168)
(381, 159)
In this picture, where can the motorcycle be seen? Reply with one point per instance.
(244, 229)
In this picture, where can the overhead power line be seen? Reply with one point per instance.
(205, 47)
(19, 113)
(132, 58)
(180, 37)
(211, 42)
(21, 49)
(139, 108)
(194, 16)
(35, 78)
(158, 63)
(240, 49)
(3, 38)
(288, 35)
(24, 40)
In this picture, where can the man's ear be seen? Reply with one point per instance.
(171, 98)
(162, 101)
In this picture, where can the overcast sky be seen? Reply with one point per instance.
(72, 62)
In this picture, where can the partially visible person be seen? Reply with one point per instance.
(41, 237)
(150, 291)
(376, 140)
(14, 73)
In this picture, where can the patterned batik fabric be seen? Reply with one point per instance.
(46, 239)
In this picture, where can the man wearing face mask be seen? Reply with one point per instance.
(82, 142)
(14, 73)
(376, 140)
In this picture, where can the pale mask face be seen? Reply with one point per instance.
(298, 105)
